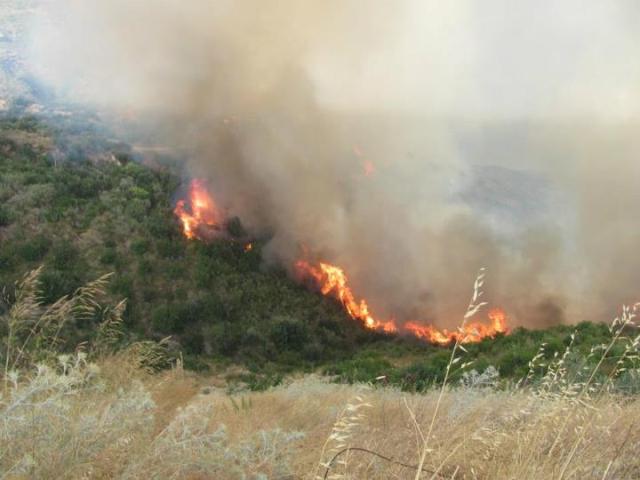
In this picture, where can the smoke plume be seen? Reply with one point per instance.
(409, 142)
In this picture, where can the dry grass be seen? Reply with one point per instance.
(79, 426)
(109, 416)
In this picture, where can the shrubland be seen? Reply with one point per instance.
(81, 216)
(78, 206)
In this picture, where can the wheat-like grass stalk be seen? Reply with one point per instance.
(150, 355)
(34, 330)
(618, 326)
(475, 305)
(25, 308)
(346, 423)
(110, 330)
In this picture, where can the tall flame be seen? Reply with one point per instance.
(198, 210)
(332, 280)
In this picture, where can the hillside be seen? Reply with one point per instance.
(82, 217)
(80, 206)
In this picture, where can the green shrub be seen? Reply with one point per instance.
(515, 363)
(165, 319)
(289, 334)
(145, 267)
(56, 283)
(64, 255)
(422, 375)
(109, 256)
(35, 248)
(5, 216)
(170, 249)
(54, 213)
(140, 246)
(365, 369)
(192, 341)
(7, 259)
(226, 337)
(122, 286)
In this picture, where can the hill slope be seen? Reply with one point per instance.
(77, 204)
(83, 218)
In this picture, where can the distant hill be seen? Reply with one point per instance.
(510, 198)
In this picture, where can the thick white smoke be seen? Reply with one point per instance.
(500, 134)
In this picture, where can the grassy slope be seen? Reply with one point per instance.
(82, 218)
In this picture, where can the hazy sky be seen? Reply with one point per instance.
(463, 57)
(498, 58)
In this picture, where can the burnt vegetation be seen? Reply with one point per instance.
(78, 206)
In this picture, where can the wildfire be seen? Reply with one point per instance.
(198, 211)
(200, 216)
(472, 332)
(331, 280)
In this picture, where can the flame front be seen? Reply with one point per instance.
(471, 332)
(199, 215)
(332, 280)
(199, 210)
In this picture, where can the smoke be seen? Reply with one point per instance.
(409, 142)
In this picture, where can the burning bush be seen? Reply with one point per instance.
(202, 219)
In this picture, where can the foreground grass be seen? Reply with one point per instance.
(111, 420)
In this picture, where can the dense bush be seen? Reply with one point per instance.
(5, 217)
(35, 248)
(85, 218)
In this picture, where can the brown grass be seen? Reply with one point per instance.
(160, 423)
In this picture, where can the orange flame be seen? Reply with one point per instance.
(200, 210)
(472, 332)
(333, 281)
(199, 214)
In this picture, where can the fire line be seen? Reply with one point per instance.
(332, 280)
(199, 213)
